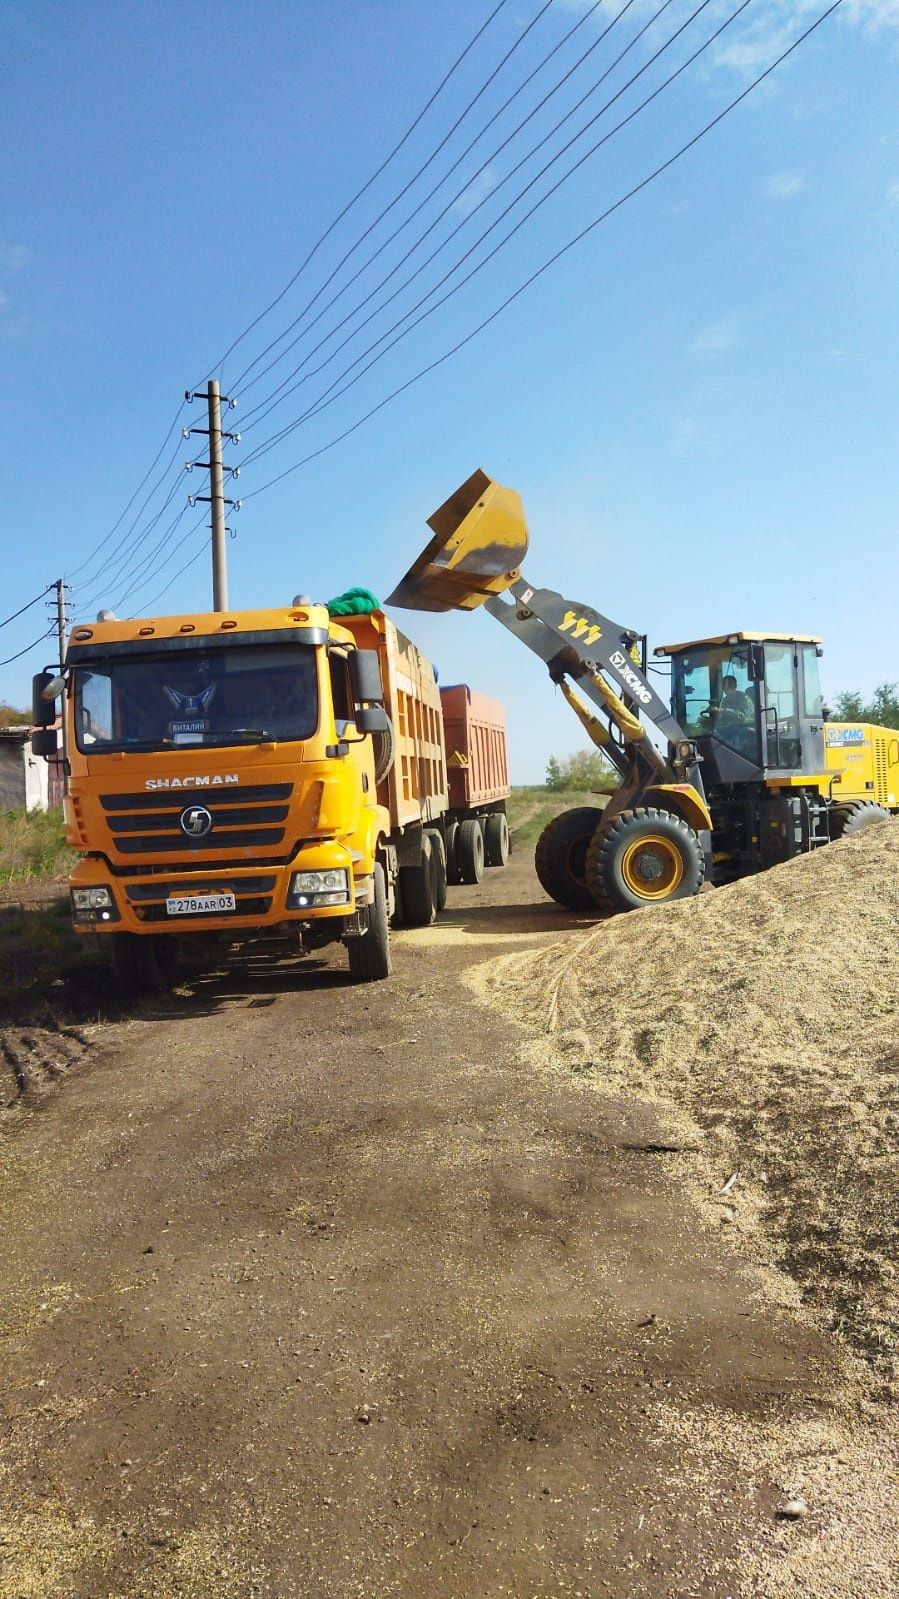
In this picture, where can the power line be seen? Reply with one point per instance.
(270, 443)
(557, 256)
(26, 607)
(192, 562)
(32, 646)
(151, 468)
(359, 193)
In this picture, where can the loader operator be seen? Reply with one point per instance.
(735, 706)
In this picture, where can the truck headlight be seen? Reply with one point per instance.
(330, 887)
(93, 905)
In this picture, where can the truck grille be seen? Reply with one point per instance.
(146, 824)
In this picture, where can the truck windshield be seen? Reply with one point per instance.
(232, 695)
(713, 694)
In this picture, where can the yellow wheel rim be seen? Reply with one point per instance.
(652, 867)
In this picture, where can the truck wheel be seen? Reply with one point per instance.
(139, 964)
(496, 839)
(438, 868)
(452, 851)
(849, 819)
(644, 857)
(560, 858)
(417, 888)
(370, 955)
(470, 852)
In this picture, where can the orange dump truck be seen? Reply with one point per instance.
(280, 771)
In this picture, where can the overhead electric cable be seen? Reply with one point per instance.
(26, 607)
(268, 444)
(32, 646)
(203, 550)
(359, 193)
(116, 525)
(557, 256)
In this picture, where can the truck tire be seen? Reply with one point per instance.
(496, 839)
(470, 852)
(644, 857)
(561, 857)
(139, 964)
(369, 955)
(417, 889)
(438, 868)
(452, 851)
(848, 819)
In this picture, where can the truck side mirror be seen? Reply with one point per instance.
(46, 688)
(365, 677)
(45, 742)
(372, 719)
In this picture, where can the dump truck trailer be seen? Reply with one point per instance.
(279, 772)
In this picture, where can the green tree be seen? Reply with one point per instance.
(585, 770)
(882, 708)
(10, 717)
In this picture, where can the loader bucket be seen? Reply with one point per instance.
(480, 539)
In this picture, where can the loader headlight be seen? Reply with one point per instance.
(93, 905)
(330, 887)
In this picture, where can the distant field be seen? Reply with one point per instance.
(530, 809)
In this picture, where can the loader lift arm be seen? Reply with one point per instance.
(653, 842)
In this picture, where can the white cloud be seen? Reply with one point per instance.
(477, 191)
(777, 23)
(783, 185)
(717, 338)
(893, 194)
(685, 437)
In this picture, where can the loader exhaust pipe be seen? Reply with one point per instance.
(480, 540)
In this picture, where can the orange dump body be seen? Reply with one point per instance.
(477, 759)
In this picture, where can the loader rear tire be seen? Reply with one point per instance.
(561, 857)
(496, 839)
(644, 857)
(849, 819)
(470, 852)
(417, 889)
(369, 956)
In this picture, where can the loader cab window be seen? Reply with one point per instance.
(811, 682)
(781, 705)
(714, 696)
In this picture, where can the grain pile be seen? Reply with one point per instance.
(762, 1016)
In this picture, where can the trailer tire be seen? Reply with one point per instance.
(644, 857)
(369, 956)
(560, 858)
(850, 819)
(417, 889)
(438, 868)
(496, 839)
(452, 850)
(470, 852)
(139, 964)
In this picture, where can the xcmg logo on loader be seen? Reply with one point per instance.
(629, 676)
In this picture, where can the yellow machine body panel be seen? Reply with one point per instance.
(862, 762)
(480, 539)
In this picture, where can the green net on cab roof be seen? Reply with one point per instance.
(353, 602)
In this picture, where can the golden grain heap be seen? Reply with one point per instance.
(765, 1014)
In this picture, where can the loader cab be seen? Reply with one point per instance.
(752, 701)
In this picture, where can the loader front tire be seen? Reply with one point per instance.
(369, 956)
(850, 819)
(644, 857)
(561, 857)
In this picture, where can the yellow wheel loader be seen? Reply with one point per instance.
(753, 773)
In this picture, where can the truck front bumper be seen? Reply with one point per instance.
(322, 882)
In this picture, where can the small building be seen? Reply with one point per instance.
(24, 776)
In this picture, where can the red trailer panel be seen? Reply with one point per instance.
(476, 754)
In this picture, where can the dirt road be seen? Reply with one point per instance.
(314, 1290)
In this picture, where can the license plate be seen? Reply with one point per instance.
(199, 904)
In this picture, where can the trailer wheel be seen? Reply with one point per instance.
(644, 857)
(496, 839)
(369, 955)
(139, 963)
(849, 819)
(452, 852)
(417, 889)
(470, 852)
(561, 857)
(438, 868)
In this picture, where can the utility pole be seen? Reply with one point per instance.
(60, 588)
(216, 495)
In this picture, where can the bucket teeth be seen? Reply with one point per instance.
(480, 539)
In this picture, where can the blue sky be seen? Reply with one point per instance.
(698, 402)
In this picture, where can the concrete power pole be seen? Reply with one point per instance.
(60, 588)
(216, 496)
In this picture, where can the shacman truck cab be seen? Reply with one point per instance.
(259, 771)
